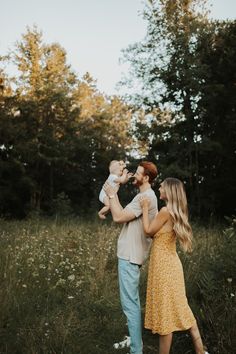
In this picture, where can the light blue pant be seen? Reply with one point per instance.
(129, 275)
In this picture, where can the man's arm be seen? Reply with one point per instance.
(119, 214)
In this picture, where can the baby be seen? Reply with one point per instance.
(118, 175)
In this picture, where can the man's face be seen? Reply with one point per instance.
(139, 176)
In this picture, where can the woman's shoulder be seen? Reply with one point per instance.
(164, 210)
(164, 213)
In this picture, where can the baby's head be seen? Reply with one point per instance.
(116, 167)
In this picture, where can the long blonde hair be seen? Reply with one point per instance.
(176, 203)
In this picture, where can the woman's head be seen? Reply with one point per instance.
(173, 192)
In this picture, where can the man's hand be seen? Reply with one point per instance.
(109, 190)
(119, 214)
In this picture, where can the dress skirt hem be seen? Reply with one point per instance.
(175, 329)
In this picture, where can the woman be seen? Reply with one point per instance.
(167, 308)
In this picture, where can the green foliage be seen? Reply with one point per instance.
(58, 132)
(186, 72)
(58, 129)
(61, 205)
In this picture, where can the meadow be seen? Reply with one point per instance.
(59, 291)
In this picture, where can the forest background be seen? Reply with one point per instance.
(58, 133)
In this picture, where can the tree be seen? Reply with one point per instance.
(62, 131)
(217, 106)
(15, 186)
(172, 70)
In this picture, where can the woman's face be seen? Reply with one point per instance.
(162, 192)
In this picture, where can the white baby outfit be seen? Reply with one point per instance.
(111, 180)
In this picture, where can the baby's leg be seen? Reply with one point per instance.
(105, 209)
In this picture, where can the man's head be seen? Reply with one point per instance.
(145, 173)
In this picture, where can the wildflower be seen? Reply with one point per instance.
(71, 277)
(70, 297)
(35, 274)
(78, 283)
(42, 266)
(232, 295)
(229, 280)
(60, 282)
(24, 286)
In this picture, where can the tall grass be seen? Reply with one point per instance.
(59, 291)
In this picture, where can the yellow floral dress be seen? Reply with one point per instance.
(167, 308)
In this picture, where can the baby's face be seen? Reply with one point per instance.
(117, 169)
(122, 164)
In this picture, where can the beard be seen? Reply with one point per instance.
(137, 183)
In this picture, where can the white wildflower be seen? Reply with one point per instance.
(78, 283)
(42, 266)
(60, 282)
(35, 274)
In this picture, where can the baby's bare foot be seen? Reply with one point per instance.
(101, 216)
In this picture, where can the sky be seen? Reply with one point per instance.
(93, 32)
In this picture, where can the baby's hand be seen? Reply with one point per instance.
(126, 175)
(130, 175)
(144, 202)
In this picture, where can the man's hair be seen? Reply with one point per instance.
(150, 170)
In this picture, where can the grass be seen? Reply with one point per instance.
(59, 291)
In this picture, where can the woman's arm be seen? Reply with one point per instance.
(150, 228)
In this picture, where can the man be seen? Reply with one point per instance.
(133, 247)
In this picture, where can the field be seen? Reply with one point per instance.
(59, 291)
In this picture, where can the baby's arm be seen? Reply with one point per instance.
(124, 177)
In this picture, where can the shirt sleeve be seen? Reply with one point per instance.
(135, 207)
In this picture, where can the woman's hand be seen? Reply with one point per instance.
(144, 202)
